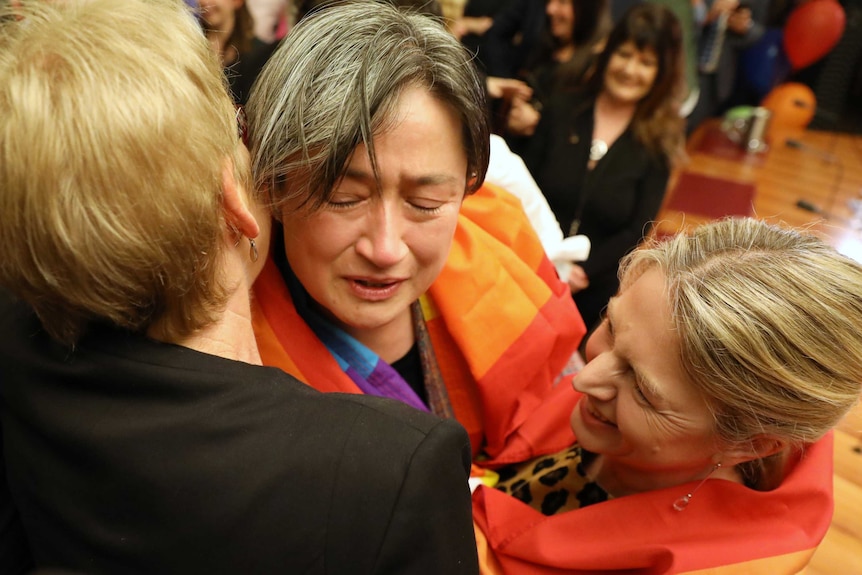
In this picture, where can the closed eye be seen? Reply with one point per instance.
(640, 393)
(342, 204)
(427, 210)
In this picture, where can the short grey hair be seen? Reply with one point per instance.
(335, 82)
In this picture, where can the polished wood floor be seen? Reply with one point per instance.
(826, 171)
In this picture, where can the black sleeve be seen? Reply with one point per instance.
(15, 555)
(498, 39)
(431, 529)
(402, 505)
(536, 148)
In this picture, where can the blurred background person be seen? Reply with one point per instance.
(575, 33)
(272, 18)
(230, 29)
(140, 433)
(727, 28)
(602, 154)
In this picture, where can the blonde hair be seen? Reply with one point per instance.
(115, 131)
(769, 328)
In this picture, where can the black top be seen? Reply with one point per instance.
(131, 456)
(614, 202)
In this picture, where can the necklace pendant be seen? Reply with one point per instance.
(598, 149)
(681, 503)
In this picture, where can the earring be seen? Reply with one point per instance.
(681, 503)
(252, 252)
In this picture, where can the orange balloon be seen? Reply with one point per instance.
(792, 105)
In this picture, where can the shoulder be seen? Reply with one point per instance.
(399, 425)
(390, 445)
(402, 476)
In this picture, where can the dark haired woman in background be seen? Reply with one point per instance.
(602, 154)
(229, 27)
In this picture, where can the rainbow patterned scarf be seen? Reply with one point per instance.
(727, 529)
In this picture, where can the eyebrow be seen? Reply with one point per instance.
(646, 383)
(426, 180)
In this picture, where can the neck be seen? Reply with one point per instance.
(564, 53)
(231, 335)
(618, 479)
(611, 118)
(614, 109)
(391, 341)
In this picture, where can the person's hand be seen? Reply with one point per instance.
(739, 21)
(507, 88)
(522, 119)
(578, 279)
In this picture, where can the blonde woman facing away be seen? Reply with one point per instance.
(140, 432)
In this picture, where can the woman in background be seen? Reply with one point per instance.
(602, 155)
(574, 34)
(230, 29)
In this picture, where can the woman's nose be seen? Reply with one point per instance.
(630, 66)
(382, 241)
(597, 377)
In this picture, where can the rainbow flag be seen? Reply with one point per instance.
(727, 529)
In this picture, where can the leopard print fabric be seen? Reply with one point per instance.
(552, 483)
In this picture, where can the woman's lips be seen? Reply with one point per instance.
(375, 289)
(589, 411)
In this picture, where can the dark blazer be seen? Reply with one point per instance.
(131, 456)
(614, 202)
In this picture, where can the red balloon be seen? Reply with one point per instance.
(812, 30)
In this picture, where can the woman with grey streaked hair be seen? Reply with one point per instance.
(368, 131)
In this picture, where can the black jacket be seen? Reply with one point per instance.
(132, 456)
(614, 202)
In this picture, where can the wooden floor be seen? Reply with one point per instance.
(826, 172)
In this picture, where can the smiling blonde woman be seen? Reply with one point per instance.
(703, 417)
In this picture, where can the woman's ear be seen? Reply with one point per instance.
(760, 447)
(235, 203)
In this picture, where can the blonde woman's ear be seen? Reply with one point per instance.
(238, 213)
(760, 447)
